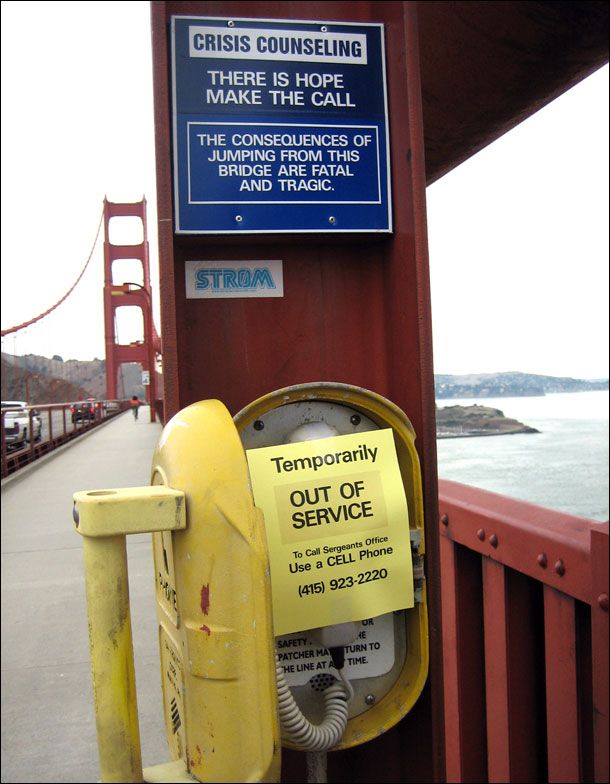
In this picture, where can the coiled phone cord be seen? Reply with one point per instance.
(298, 729)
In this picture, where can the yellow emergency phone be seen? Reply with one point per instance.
(355, 678)
(236, 685)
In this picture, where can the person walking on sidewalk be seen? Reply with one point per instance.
(135, 405)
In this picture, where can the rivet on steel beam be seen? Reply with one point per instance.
(602, 601)
(259, 425)
(542, 560)
(370, 699)
(481, 534)
(560, 568)
(445, 519)
(493, 540)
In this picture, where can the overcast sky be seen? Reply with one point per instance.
(518, 235)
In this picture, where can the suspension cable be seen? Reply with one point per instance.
(65, 296)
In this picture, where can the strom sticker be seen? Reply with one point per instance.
(234, 278)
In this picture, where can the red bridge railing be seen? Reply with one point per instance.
(525, 640)
(57, 428)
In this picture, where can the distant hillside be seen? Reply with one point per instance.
(19, 384)
(511, 384)
(56, 381)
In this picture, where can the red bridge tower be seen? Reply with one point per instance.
(129, 294)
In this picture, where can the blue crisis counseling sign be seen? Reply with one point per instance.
(279, 127)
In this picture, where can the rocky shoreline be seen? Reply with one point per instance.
(475, 420)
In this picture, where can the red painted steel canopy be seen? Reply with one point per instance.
(486, 66)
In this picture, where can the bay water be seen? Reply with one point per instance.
(564, 466)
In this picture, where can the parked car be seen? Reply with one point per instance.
(84, 410)
(14, 404)
(17, 427)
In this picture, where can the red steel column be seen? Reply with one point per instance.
(356, 310)
(599, 633)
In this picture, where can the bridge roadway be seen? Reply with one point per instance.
(48, 721)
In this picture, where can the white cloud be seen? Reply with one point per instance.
(518, 234)
(518, 239)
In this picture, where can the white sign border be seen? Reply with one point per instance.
(284, 125)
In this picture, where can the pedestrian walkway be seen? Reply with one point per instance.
(48, 720)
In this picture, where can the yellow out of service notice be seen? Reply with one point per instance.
(337, 529)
